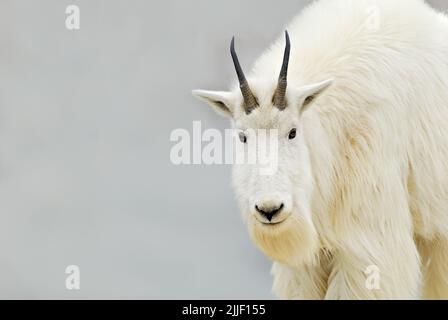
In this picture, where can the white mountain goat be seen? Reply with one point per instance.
(361, 188)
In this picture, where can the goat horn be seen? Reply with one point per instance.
(250, 103)
(280, 93)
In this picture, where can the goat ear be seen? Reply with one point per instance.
(309, 93)
(220, 101)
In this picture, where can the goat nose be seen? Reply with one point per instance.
(269, 212)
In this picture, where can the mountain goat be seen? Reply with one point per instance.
(361, 110)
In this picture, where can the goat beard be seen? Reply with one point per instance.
(293, 242)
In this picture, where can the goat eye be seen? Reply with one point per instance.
(292, 134)
(243, 137)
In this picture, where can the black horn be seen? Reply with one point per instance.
(280, 93)
(250, 102)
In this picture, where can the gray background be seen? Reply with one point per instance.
(85, 173)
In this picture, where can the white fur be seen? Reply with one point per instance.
(366, 179)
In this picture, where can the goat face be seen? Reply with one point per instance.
(275, 201)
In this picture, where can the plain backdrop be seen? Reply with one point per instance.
(85, 171)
